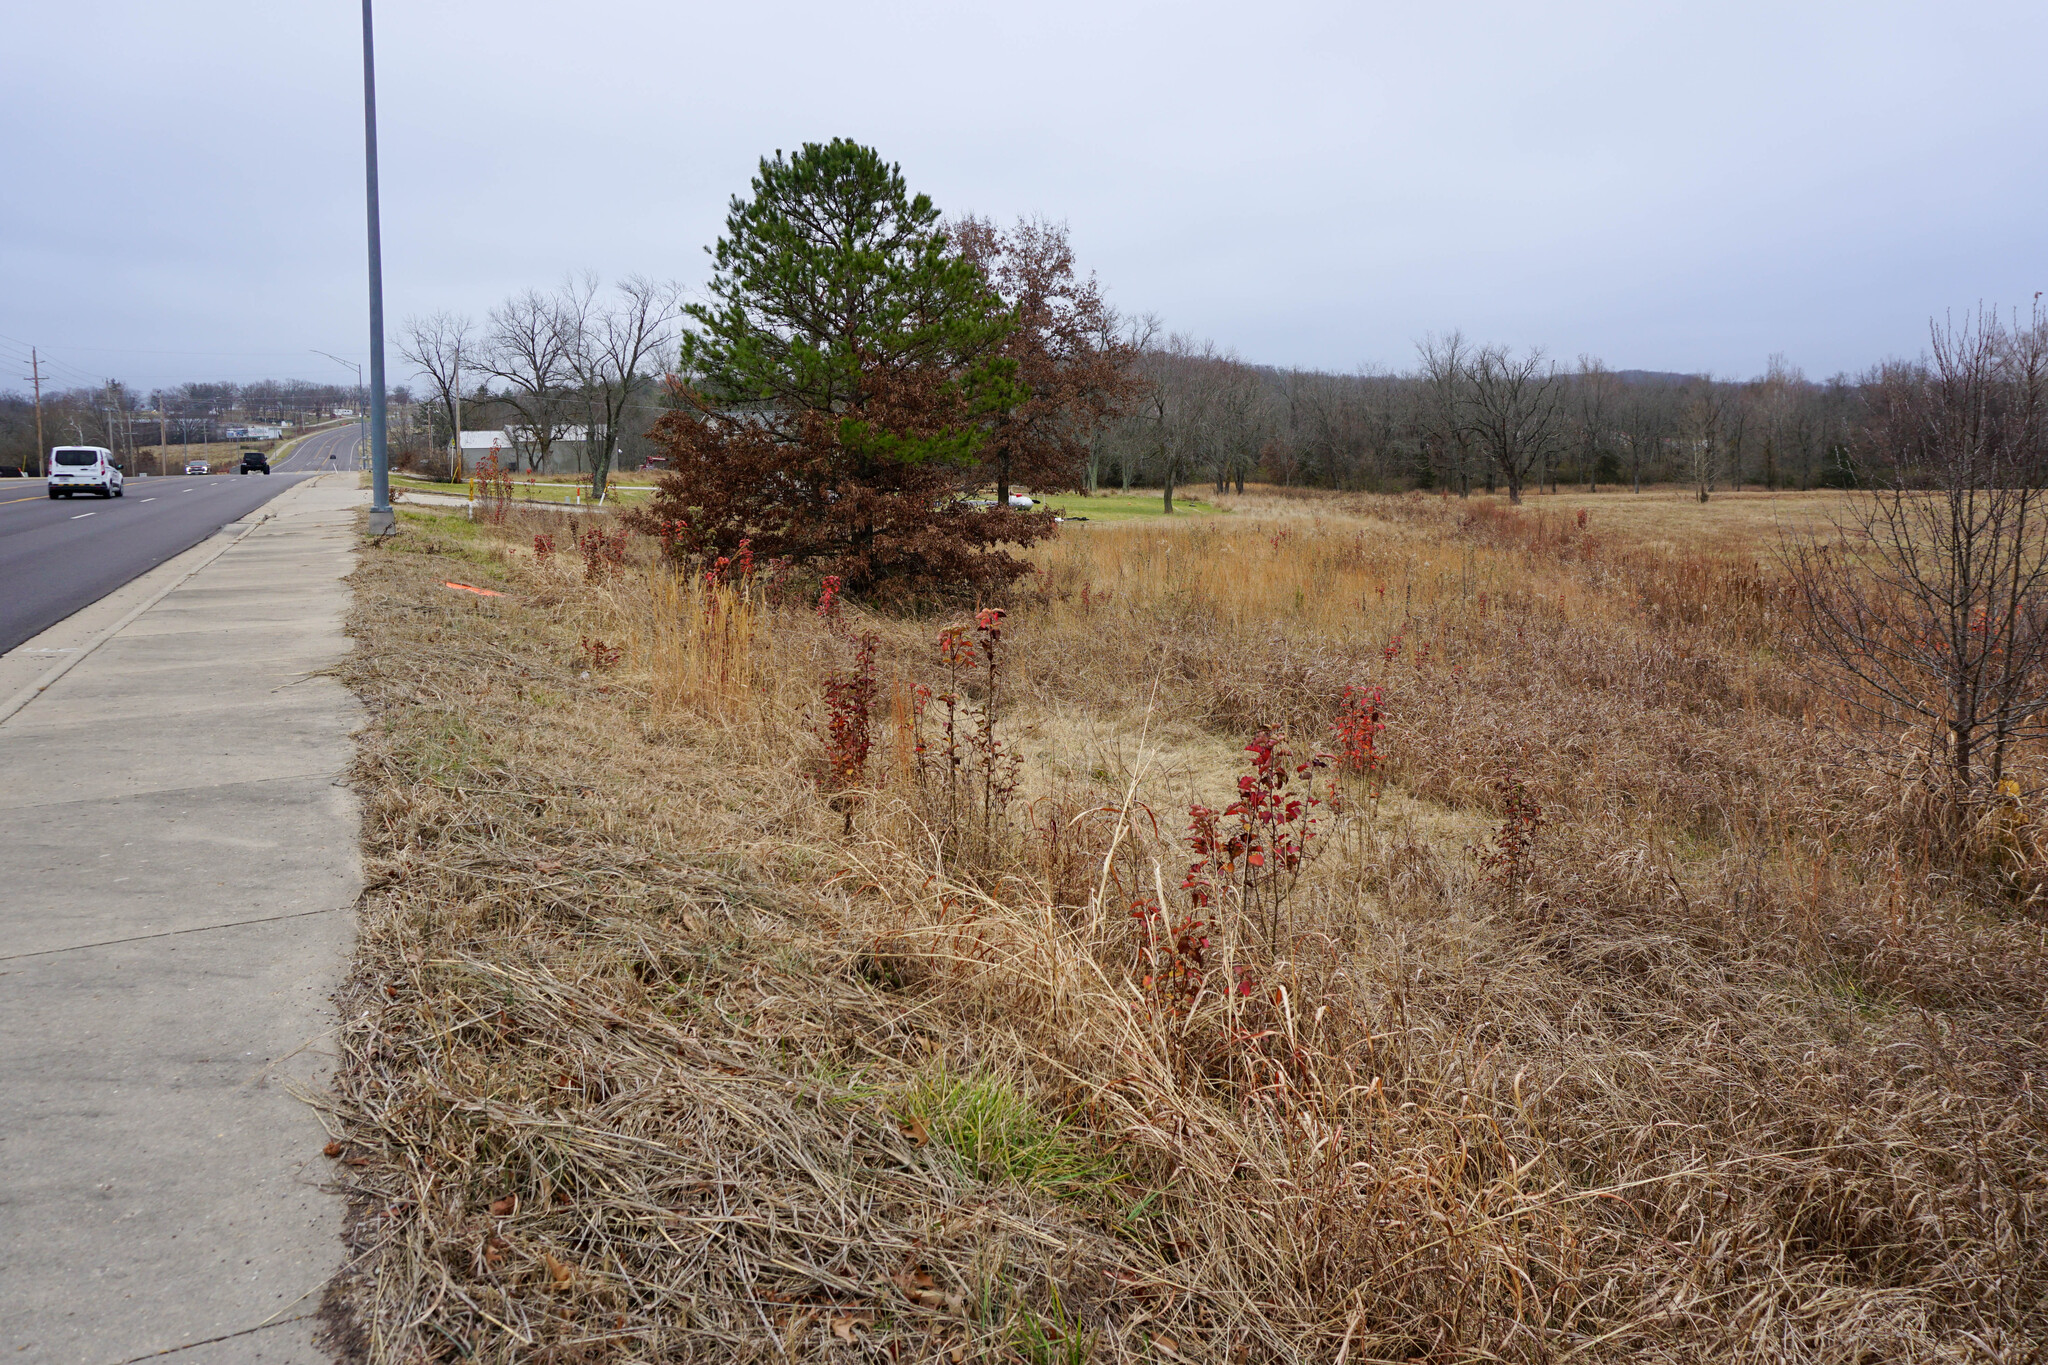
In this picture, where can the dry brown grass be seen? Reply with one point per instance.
(1746, 1070)
(225, 456)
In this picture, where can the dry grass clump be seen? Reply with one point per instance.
(649, 1058)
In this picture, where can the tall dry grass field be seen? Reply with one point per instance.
(1615, 1001)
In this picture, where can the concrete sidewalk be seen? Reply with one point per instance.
(414, 497)
(180, 864)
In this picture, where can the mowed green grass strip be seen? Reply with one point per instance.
(1127, 507)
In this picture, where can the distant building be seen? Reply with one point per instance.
(251, 433)
(568, 452)
(478, 446)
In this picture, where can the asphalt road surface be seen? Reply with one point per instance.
(335, 449)
(58, 556)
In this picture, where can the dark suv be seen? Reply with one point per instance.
(254, 462)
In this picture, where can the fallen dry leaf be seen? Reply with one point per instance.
(1168, 1345)
(844, 1325)
(921, 1289)
(914, 1129)
(559, 1273)
(551, 865)
(331, 1149)
(501, 1207)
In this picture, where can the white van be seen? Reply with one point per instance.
(84, 469)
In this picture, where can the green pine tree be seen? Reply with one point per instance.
(837, 387)
(834, 285)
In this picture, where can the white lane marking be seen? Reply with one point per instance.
(85, 514)
(149, 499)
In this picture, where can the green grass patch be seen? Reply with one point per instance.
(1129, 507)
(435, 533)
(522, 492)
(1050, 1341)
(997, 1135)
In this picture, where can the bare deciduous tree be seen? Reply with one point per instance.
(610, 345)
(1513, 411)
(1446, 409)
(1130, 437)
(434, 346)
(1594, 392)
(527, 344)
(1931, 597)
(1705, 405)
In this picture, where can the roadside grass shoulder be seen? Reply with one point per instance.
(614, 1006)
(655, 1037)
(536, 490)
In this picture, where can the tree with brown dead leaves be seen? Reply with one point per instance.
(1068, 346)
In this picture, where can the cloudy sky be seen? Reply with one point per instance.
(1677, 186)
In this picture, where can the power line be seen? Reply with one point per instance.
(75, 374)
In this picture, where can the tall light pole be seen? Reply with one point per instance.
(382, 521)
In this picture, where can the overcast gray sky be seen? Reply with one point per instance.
(1667, 186)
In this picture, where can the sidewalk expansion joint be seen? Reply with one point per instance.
(173, 933)
(327, 775)
(42, 684)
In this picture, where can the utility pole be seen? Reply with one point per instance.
(382, 520)
(35, 375)
(455, 468)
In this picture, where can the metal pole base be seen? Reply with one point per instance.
(383, 522)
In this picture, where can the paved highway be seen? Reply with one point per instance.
(56, 557)
(335, 449)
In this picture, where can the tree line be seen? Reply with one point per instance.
(1469, 417)
(1113, 400)
(123, 419)
(1101, 399)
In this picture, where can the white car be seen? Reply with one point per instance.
(84, 469)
